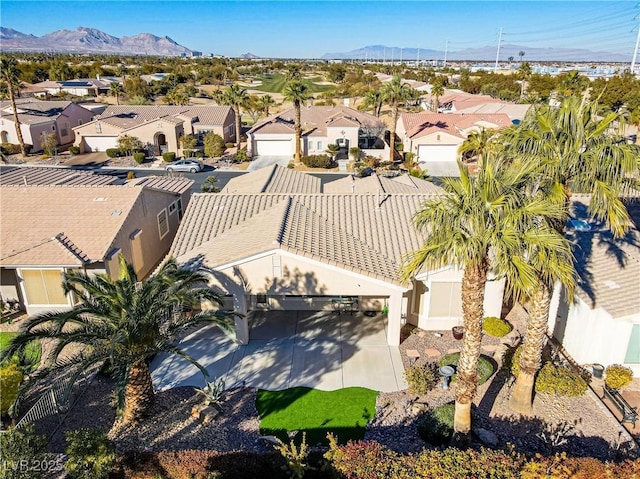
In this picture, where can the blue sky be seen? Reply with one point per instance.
(308, 29)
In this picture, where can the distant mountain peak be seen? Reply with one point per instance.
(91, 40)
(249, 56)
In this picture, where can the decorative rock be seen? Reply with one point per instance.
(487, 437)
(196, 411)
(208, 414)
(453, 350)
(270, 440)
(418, 408)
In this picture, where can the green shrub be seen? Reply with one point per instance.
(485, 366)
(10, 378)
(18, 445)
(91, 455)
(229, 145)
(169, 156)
(617, 376)
(295, 457)
(242, 156)
(421, 378)
(496, 327)
(74, 150)
(112, 152)
(317, 161)
(199, 154)
(139, 157)
(436, 426)
(512, 358)
(188, 464)
(560, 380)
(453, 463)
(213, 145)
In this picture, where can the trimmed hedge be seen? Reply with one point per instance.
(112, 152)
(560, 380)
(139, 157)
(74, 150)
(317, 161)
(496, 327)
(169, 156)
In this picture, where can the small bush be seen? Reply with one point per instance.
(112, 152)
(10, 378)
(485, 366)
(74, 150)
(19, 445)
(291, 165)
(11, 149)
(229, 145)
(317, 161)
(199, 154)
(421, 378)
(496, 327)
(188, 464)
(139, 157)
(453, 463)
(91, 455)
(213, 145)
(436, 426)
(169, 156)
(295, 457)
(513, 358)
(617, 376)
(131, 175)
(242, 156)
(560, 380)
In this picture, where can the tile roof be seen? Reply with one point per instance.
(131, 116)
(368, 234)
(83, 220)
(54, 176)
(274, 179)
(514, 111)
(316, 119)
(172, 184)
(403, 184)
(32, 111)
(608, 268)
(460, 99)
(421, 124)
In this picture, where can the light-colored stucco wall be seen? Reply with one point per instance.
(593, 336)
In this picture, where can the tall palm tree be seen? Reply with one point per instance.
(577, 150)
(477, 144)
(10, 74)
(123, 323)
(437, 90)
(373, 99)
(235, 96)
(115, 89)
(524, 72)
(266, 102)
(395, 92)
(483, 224)
(297, 92)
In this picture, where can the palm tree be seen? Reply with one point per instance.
(395, 92)
(477, 144)
(115, 89)
(297, 92)
(437, 90)
(521, 54)
(525, 73)
(10, 74)
(266, 101)
(123, 323)
(483, 224)
(235, 97)
(373, 99)
(577, 150)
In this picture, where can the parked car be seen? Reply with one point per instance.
(192, 166)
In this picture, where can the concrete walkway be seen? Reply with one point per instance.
(322, 350)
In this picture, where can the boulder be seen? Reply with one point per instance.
(487, 437)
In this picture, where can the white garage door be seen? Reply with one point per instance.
(100, 143)
(439, 160)
(273, 148)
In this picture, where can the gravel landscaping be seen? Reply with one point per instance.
(578, 426)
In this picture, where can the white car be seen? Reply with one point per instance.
(192, 166)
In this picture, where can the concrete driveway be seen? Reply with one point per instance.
(264, 161)
(323, 350)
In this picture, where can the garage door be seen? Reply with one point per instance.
(439, 160)
(273, 148)
(100, 143)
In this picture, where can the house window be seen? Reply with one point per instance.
(444, 300)
(261, 299)
(633, 349)
(79, 122)
(98, 128)
(310, 145)
(64, 130)
(163, 223)
(179, 204)
(53, 127)
(172, 208)
(43, 286)
(319, 147)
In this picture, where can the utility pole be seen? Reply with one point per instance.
(635, 51)
(446, 49)
(418, 59)
(498, 54)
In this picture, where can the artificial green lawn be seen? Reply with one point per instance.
(275, 84)
(344, 413)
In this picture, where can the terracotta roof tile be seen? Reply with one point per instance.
(274, 179)
(421, 124)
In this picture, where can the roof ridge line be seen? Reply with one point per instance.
(64, 241)
(283, 224)
(269, 178)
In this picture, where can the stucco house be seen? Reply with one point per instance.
(38, 118)
(602, 324)
(157, 126)
(305, 251)
(52, 221)
(435, 137)
(321, 126)
(79, 86)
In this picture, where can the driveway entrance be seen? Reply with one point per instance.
(322, 350)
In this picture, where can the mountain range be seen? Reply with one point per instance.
(90, 40)
(486, 53)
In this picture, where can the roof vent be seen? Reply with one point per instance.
(116, 213)
(611, 284)
(100, 198)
